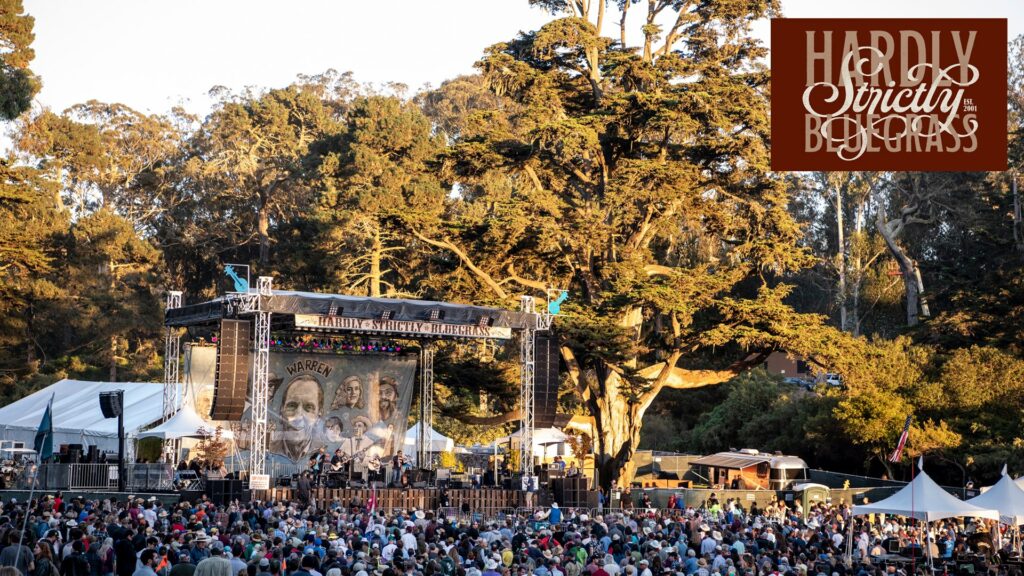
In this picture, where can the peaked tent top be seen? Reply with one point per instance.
(1006, 497)
(923, 499)
(185, 424)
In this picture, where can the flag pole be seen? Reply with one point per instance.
(28, 506)
(46, 431)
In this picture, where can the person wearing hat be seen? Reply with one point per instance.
(644, 566)
(263, 567)
(199, 550)
(490, 568)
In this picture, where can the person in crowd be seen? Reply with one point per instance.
(146, 561)
(44, 561)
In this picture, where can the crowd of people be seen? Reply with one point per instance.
(136, 537)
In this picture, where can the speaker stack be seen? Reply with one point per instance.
(545, 380)
(110, 404)
(222, 492)
(232, 378)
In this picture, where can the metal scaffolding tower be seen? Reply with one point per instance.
(426, 405)
(172, 396)
(253, 303)
(527, 345)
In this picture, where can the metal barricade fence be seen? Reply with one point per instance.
(156, 477)
(92, 476)
(140, 477)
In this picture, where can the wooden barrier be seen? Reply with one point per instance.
(394, 498)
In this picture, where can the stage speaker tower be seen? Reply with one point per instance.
(232, 378)
(545, 381)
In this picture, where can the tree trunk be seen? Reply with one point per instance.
(618, 424)
(375, 256)
(113, 359)
(857, 267)
(912, 284)
(263, 229)
(1018, 220)
(618, 415)
(841, 259)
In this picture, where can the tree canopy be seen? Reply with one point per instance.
(634, 176)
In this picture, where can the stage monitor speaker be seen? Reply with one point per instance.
(545, 381)
(110, 404)
(232, 378)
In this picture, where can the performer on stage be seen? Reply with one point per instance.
(316, 464)
(397, 462)
(338, 461)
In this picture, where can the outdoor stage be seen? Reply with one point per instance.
(294, 372)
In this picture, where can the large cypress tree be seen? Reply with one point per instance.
(638, 178)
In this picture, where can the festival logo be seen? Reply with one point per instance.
(889, 94)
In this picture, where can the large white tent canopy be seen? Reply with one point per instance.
(546, 441)
(185, 424)
(1006, 497)
(541, 437)
(436, 442)
(77, 418)
(925, 500)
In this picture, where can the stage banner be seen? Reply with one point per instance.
(358, 404)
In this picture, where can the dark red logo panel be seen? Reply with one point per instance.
(889, 94)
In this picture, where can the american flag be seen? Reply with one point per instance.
(898, 452)
(372, 504)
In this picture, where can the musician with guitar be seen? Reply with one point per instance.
(397, 463)
(316, 464)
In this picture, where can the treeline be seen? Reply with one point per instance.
(636, 177)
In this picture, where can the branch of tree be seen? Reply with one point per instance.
(482, 276)
(474, 420)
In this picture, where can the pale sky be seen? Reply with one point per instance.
(154, 54)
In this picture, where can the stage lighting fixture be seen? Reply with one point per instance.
(436, 314)
(485, 321)
(334, 310)
(386, 315)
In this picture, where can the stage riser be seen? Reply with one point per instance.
(390, 498)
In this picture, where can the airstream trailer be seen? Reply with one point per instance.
(750, 469)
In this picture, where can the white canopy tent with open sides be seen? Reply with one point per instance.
(924, 500)
(1007, 497)
(436, 442)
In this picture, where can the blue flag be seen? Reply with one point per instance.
(44, 436)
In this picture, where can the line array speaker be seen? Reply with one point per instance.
(232, 377)
(545, 381)
(110, 404)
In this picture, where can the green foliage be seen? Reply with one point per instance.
(17, 83)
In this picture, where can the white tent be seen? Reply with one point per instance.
(436, 442)
(541, 436)
(925, 500)
(185, 424)
(77, 418)
(1006, 497)
(546, 441)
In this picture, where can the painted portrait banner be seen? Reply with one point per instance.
(356, 403)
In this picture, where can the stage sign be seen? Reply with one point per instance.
(439, 329)
(259, 482)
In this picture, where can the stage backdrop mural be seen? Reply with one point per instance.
(358, 404)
